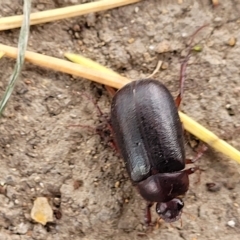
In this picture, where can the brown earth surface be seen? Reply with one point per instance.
(82, 178)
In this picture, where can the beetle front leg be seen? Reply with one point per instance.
(191, 170)
(198, 156)
(148, 217)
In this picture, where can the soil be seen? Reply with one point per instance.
(85, 180)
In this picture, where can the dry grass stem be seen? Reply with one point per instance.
(2, 54)
(110, 79)
(62, 13)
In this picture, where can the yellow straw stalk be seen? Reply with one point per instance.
(63, 13)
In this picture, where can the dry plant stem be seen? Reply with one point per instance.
(2, 54)
(76, 58)
(215, 3)
(110, 79)
(156, 70)
(62, 13)
(83, 61)
(208, 137)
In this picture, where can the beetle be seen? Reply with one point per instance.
(149, 136)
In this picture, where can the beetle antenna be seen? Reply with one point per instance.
(184, 66)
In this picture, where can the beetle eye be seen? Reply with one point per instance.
(180, 205)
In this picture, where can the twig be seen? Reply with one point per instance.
(109, 78)
(2, 54)
(156, 70)
(62, 13)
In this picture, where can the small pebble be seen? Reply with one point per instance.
(184, 35)
(131, 40)
(117, 184)
(151, 47)
(37, 179)
(231, 223)
(76, 34)
(163, 47)
(236, 205)
(230, 185)
(217, 20)
(57, 214)
(57, 202)
(80, 42)
(234, 195)
(215, 3)
(73, 115)
(232, 41)
(42, 211)
(76, 28)
(164, 65)
(3, 190)
(91, 19)
(22, 228)
(40, 6)
(213, 187)
(77, 184)
(230, 110)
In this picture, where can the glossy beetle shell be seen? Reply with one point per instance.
(147, 129)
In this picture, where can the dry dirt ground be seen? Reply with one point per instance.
(86, 181)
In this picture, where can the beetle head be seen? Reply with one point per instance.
(170, 211)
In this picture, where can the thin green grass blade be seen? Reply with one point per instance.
(22, 46)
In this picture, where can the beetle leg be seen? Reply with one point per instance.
(191, 170)
(192, 141)
(147, 217)
(199, 155)
(100, 113)
(111, 91)
(104, 129)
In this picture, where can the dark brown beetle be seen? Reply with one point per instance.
(149, 135)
